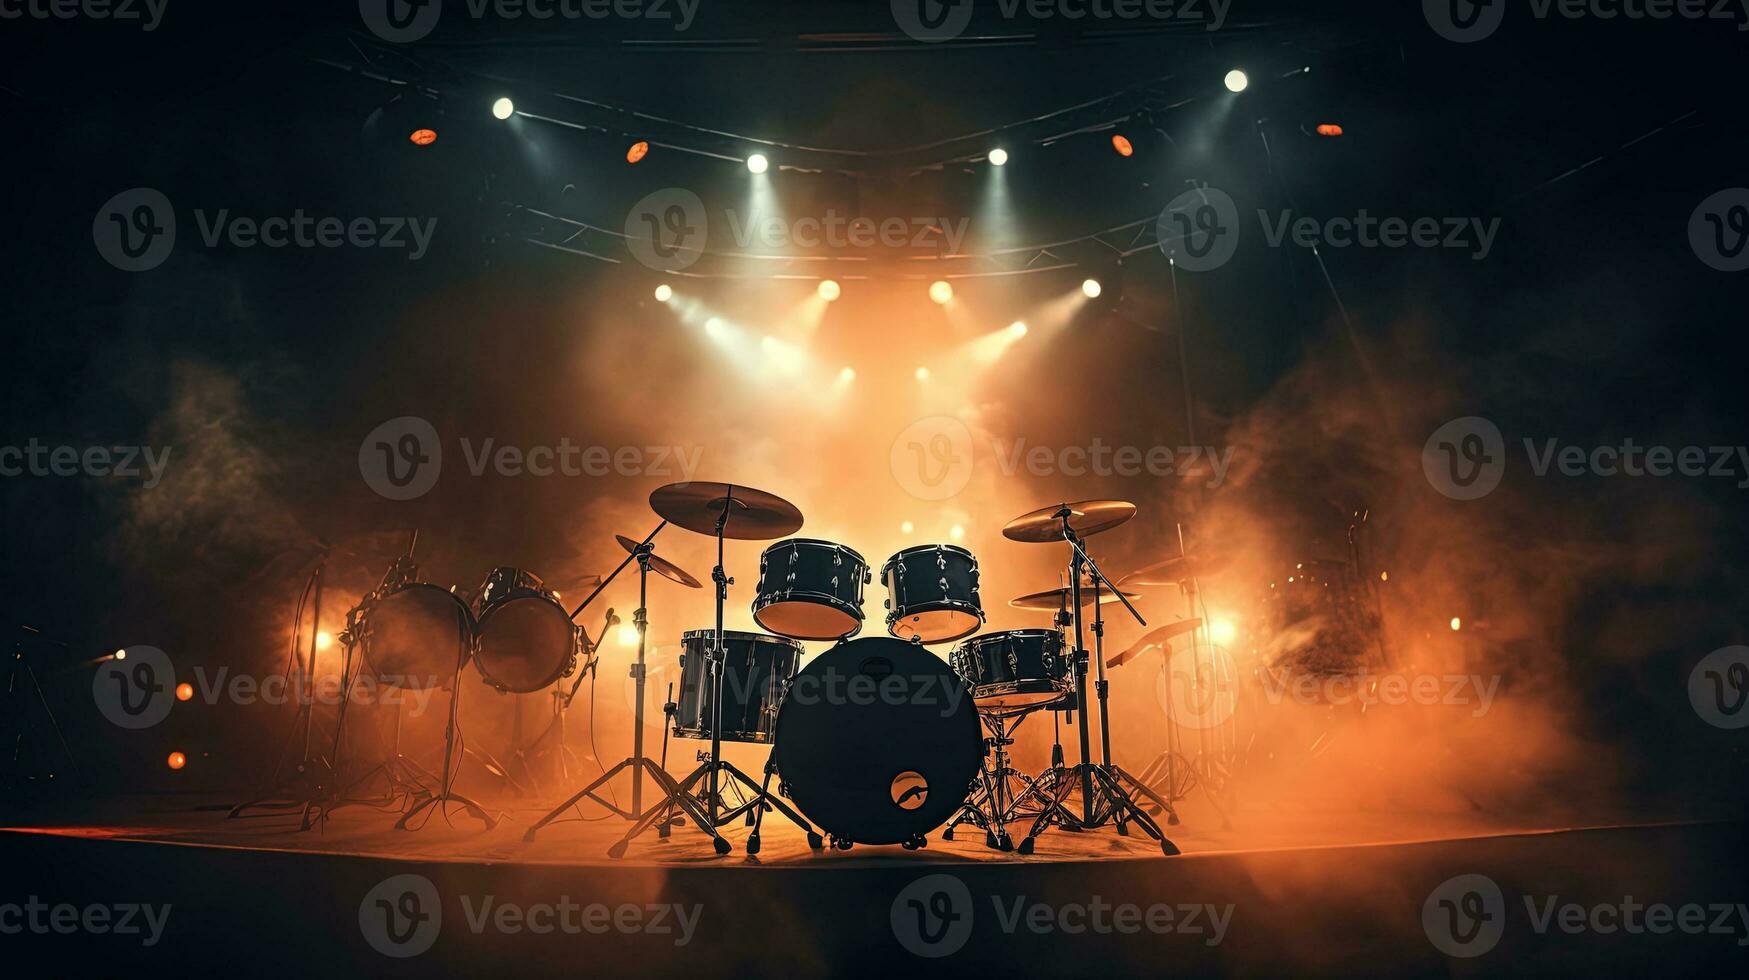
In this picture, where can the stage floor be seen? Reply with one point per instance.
(253, 894)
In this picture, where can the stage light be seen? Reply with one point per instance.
(121, 655)
(1091, 288)
(664, 293)
(628, 635)
(1236, 81)
(1456, 624)
(185, 691)
(1222, 631)
(422, 137)
(758, 164)
(906, 527)
(998, 157)
(324, 640)
(1384, 576)
(177, 760)
(768, 343)
(503, 108)
(922, 374)
(1329, 129)
(1122, 145)
(715, 327)
(957, 532)
(941, 292)
(637, 151)
(846, 375)
(1017, 328)
(830, 291)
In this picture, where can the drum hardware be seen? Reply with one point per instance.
(30, 759)
(932, 594)
(1004, 794)
(1104, 796)
(723, 511)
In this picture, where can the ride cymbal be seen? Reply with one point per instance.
(1157, 638)
(747, 514)
(661, 566)
(1052, 600)
(1172, 571)
(1085, 517)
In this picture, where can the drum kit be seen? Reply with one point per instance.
(877, 740)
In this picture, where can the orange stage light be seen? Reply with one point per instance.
(1329, 129)
(638, 151)
(423, 137)
(1122, 145)
(177, 760)
(185, 691)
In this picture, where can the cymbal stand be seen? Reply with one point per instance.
(1104, 797)
(446, 793)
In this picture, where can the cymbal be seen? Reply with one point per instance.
(1052, 600)
(661, 566)
(1157, 638)
(574, 583)
(1086, 517)
(753, 515)
(1172, 571)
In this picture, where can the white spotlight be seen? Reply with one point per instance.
(664, 293)
(1091, 288)
(1236, 81)
(907, 527)
(957, 532)
(758, 164)
(1017, 328)
(846, 375)
(715, 327)
(941, 292)
(503, 108)
(922, 374)
(829, 290)
(998, 157)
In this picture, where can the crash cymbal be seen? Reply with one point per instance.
(1172, 571)
(1085, 517)
(1158, 638)
(661, 566)
(1052, 600)
(574, 583)
(753, 515)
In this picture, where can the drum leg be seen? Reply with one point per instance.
(765, 798)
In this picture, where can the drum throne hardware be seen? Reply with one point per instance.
(722, 511)
(644, 553)
(1106, 789)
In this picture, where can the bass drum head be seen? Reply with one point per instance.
(417, 635)
(525, 644)
(878, 741)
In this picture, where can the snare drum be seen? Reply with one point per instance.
(756, 672)
(526, 638)
(1015, 670)
(810, 590)
(932, 594)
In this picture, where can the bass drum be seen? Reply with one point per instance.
(878, 742)
(416, 636)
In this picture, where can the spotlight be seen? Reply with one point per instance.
(324, 640)
(664, 293)
(628, 635)
(847, 375)
(185, 691)
(121, 655)
(503, 108)
(1222, 631)
(1236, 81)
(1456, 624)
(758, 164)
(715, 326)
(956, 532)
(941, 292)
(829, 290)
(638, 151)
(422, 137)
(177, 760)
(922, 374)
(1017, 328)
(1329, 129)
(906, 527)
(1122, 145)
(1091, 288)
(768, 343)
(998, 157)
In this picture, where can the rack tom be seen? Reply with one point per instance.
(1015, 670)
(810, 590)
(932, 594)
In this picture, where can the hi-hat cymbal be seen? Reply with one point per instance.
(1157, 638)
(661, 566)
(1172, 571)
(1052, 600)
(752, 515)
(1085, 517)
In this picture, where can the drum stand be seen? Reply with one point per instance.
(446, 793)
(1003, 791)
(1104, 796)
(707, 810)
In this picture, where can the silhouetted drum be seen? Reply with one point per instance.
(756, 670)
(416, 636)
(932, 593)
(877, 742)
(1015, 670)
(527, 640)
(810, 590)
